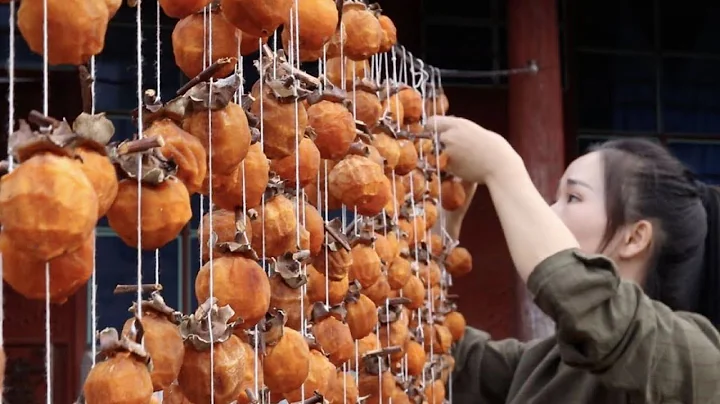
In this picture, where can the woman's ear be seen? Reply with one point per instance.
(636, 240)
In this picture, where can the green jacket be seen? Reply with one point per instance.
(613, 345)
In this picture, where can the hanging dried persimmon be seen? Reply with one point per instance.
(336, 290)
(308, 157)
(455, 322)
(246, 185)
(95, 131)
(453, 194)
(317, 21)
(368, 108)
(332, 123)
(437, 103)
(321, 374)
(274, 228)
(360, 183)
(362, 29)
(335, 259)
(229, 275)
(77, 27)
(48, 206)
(342, 389)
(192, 44)
(26, 275)
(332, 332)
(458, 262)
(284, 121)
(259, 18)
(389, 37)
(218, 123)
(165, 201)
(336, 68)
(366, 266)
(182, 8)
(203, 378)
(123, 375)
(227, 227)
(185, 150)
(286, 282)
(286, 363)
(162, 339)
(412, 104)
(362, 315)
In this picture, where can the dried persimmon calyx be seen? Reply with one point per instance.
(337, 236)
(156, 303)
(271, 328)
(320, 312)
(289, 267)
(353, 293)
(287, 83)
(153, 169)
(241, 243)
(364, 236)
(58, 137)
(393, 310)
(422, 253)
(330, 93)
(195, 329)
(214, 95)
(376, 361)
(111, 342)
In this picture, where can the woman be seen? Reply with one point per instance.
(627, 329)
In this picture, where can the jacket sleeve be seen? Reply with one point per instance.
(484, 369)
(611, 328)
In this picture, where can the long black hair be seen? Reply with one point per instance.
(645, 182)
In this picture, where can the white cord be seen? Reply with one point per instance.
(11, 122)
(93, 278)
(139, 58)
(210, 218)
(48, 341)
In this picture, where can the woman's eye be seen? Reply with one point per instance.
(572, 198)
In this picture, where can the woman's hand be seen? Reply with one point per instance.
(474, 153)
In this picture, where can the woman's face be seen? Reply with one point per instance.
(580, 201)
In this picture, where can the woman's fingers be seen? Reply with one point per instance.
(442, 123)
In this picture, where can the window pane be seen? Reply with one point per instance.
(127, 15)
(690, 95)
(117, 264)
(616, 92)
(615, 24)
(460, 8)
(116, 87)
(444, 42)
(703, 158)
(690, 28)
(195, 265)
(586, 142)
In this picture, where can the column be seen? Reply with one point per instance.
(535, 111)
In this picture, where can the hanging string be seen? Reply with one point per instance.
(210, 204)
(11, 124)
(139, 89)
(159, 95)
(294, 59)
(261, 69)
(48, 342)
(202, 197)
(93, 277)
